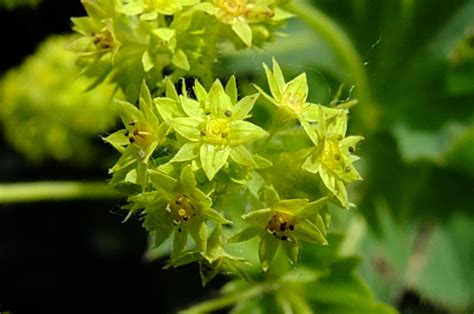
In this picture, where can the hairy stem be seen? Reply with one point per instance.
(230, 299)
(55, 191)
(344, 49)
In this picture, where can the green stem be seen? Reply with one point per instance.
(55, 191)
(344, 49)
(230, 299)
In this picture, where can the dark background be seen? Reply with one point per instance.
(74, 257)
(78, 257)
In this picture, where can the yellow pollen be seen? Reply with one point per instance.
(216, 131)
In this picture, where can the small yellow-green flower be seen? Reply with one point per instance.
(241, 14)
(290, 97)
(332, 157)
(179, 207)
(215, 127)
(285, 223)
(142, 134)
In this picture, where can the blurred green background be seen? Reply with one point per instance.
(414, 216)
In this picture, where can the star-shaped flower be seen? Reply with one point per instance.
(332, 157)
(142, 134)
(215, 128)
(241, 14)
(285, 223)
(179, 207)
(290, 97)
(214, 260)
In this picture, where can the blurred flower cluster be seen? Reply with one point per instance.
(45, 108)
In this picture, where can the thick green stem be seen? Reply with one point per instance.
(344, 49)
(55, 191)
(230, 299)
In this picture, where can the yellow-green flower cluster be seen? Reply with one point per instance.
(132, 40)
(46, 110)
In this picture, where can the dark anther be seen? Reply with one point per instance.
(224, 134)
(207, 112)
(283, 226)
(126, 133)
(178, 201)
(351, 149)
(347, 169)
(132, 123)
(337, 157)
(228, 113)
(179, 229)
(131, 139)
(136, 132)
(274, 233)
(339, 137)
(284, 238)
(202, 133)
(292, 227)
(185, 218)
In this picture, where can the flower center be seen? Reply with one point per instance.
(216, 131)
(181, 209)
(233, 7)
(103, 40)
(332, 157)
(281, 225)
(293, 101)
(140, 134)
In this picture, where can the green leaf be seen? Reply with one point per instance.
(276, 86)
(132, 8)
(164, 33)
(216, 217)
(180, 240)
(258, 217)
(245, 132)
(186, 178)
(241, 155)
(171, 90)
(313, 208)
(218, 101)
(128, 112)
(147, 61)
(449, 249)
(188, 151)
(168, 108)
(243, 30)
(213, 158)
(292, 250)
(270, 195)
(200, 92)
(161, 180)
(245, 234)
(231, 89)
(191, 107)
(198, 231)
(118, 140)
(266, 250)
(308, 231)
(180, 60)
(160, 235)
(188, 127)
(244, 106)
